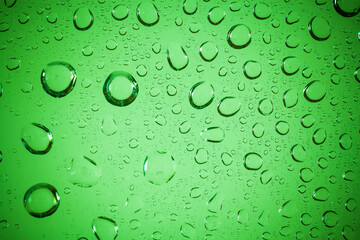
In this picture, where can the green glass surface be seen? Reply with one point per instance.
(195, 119)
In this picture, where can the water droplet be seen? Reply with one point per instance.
(282, 127)
(208, 51)
(120, 12)
(228, 106)
(288, 209)
(41, 200)
(141, 70)
(306, 175)
(36, 138)
(252, 69)
(120, 88)
(201, 156)
(298, 153)
(345, 141)
(330, 219)
(319, 28)
(111, 44)
(226, 158)
(306, 219)
(23, 18)
(314, 91)
(105, 228)
(187, 230)
(351, 204)
(185, 127)
(253, 161)
(9, 3)
(213, 134)
(4, 27)
(190, 6)
(321, 194)
(201, 95)
(52, 17)
(239, 36)
(262, 11)
(83, 19)
(147, 14)
(159, 167)
(84, 172)
(87, 50)
(347, 8)
(290, 65)
(160, 120)
(108, 126)
(292, 41)
(58, 79)
(258, 130)
(290, 98)
(292, 17)
(319, 136)
(235, 6)
(134, 203)
(307, 121)
(177, 57)
(216, 15)
(13, 63)
(265, 107)
(339, 62)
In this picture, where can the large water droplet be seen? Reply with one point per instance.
(262, 10)
(147, 13)
(321, 194)
(120, 88)
(120, 12)
(36, 138)
(213, 134)
(239, 36)
(201, 156)
(201, 95)
(58, 79)
(216, 15)
(83, 19)
(84, 172)
(159, 167)
(228, 106)
(319, 136)
(105, 228)
(345, 141)
(319, 28)
(347, 8)
(177, 57)
(314, 91)
(190, 6)
(252, 69)
(187, 230)
(13, 63)
(208, 51)
(290, 65)
(298, 153)
(41, 200)
(253, 161)
(330, 218)
(290, 98)
(265, 107)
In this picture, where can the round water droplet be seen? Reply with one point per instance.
(351, 204)
(141, 70)
(307, 121)
(228, 106)
(290, 65)
(290, 98)
(252, 69)
(159, 167)
(282, 127)
(84, 172)
(319, 136)
(4, 27)
(339, 62)
(120, 88)
(185, 127)
(201, 156)
(201, 95)
(177, 57)
(188, 230)
(262, 11)
(52, 17)
(120, 12)
(239, 36)
(253, 161)
(87, 50)
(319, 28)
(258, 130)
(347, 8)
(23, 18)
(190, 6)
(83, 19)
(216, 15)
(330, 219)
(306, 175)
(13, 63)
(265, 107)
(345, 141)
(226, 158)
(306, 219)
(147, 13)
(58, 79)
(213, 134)
(266, 177)
(111, 44)
(321, 194)
(323, 163)
(292, 41)
(314, 91)
(292, 17)
(298, 153)
(36, 138)
(208, 51)
(356, 74)
(105, 228)
(41, 200)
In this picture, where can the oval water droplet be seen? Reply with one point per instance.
(9, 3)
(216, 15)
(108, 126)
(13, 63)
(208, 51)
(177, 57)
(345, 141)
(253, 161)
(58, 79)
(265, 107)
(201, 95)
(41, 200)
(36, 138)
(147, 13)
(298, 153)
(83, 19)
(213, 134)
(252, 69)
(159, 167)
(84, 172)
(290, 65)
(226, 158)
(105, 228)
(258, 130)
(321, 194)
(228, 106)
(201, 156)
(347, 8)
(4, 27)
(330, 218)
(188, 230)
(120, 88)
(319, 28)
(314, 91)
(307, 121)
(190, 6)
(120, 12)
(282, 127)
(290, 98)
(261, 11)
(319, 136)
(239, 36)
